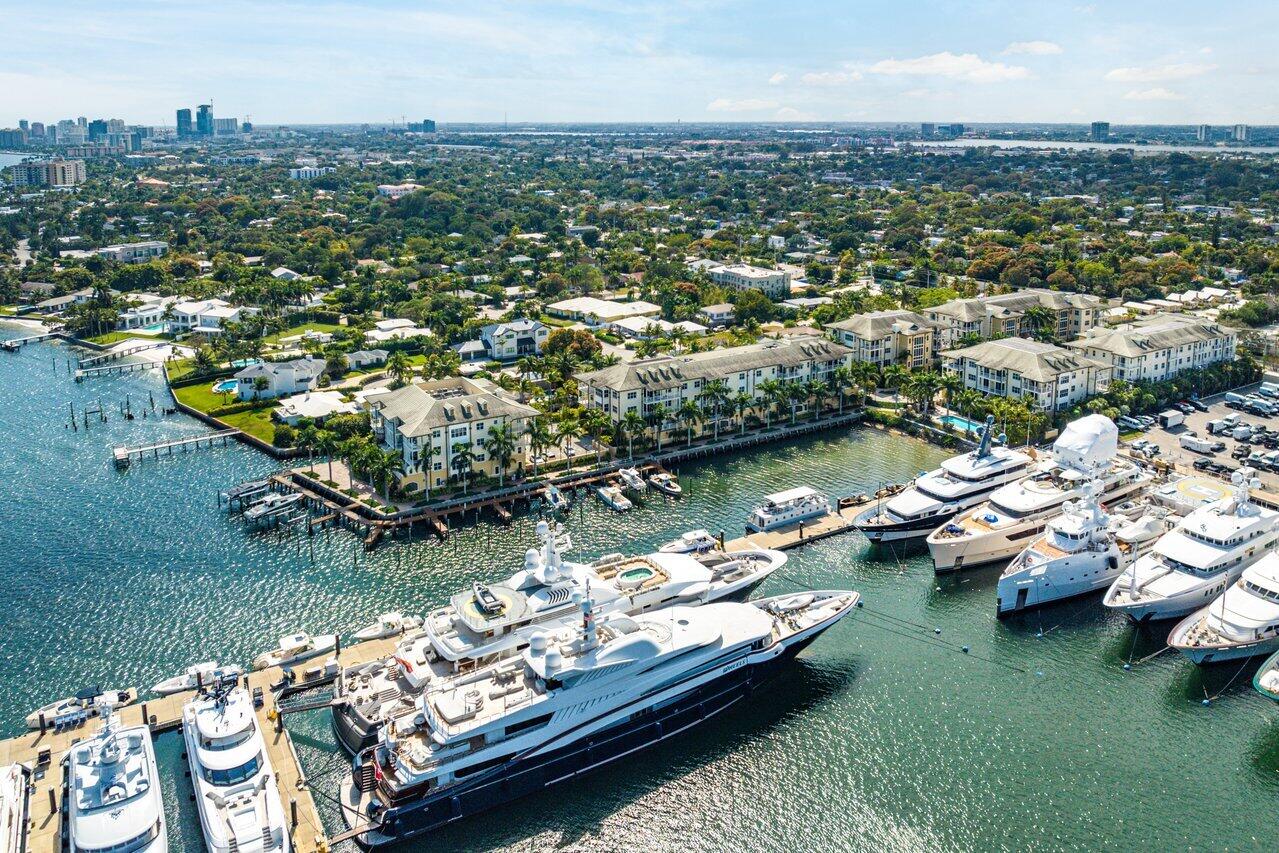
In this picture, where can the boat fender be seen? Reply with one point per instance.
(1112, 562)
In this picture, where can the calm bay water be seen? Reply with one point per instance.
(883, 736)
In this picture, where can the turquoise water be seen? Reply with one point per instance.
(226, 385)
(884, 736)
(961, 423)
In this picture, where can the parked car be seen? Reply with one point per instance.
(1203, 464)
(1184, 408)
(1145, 420)
(1128, 423)
(1195, 404)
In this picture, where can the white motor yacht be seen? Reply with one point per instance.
(1242, 622)
(272, 505)
(937, 496)
(1001, 527)
(789, 507)
(613, 498)
(694, 541)
(235, 786)
(1080, 552)
(15, 805)
(558, 501)
(74, 710)
(113, 791)
(296, 648)
(1195, 561)
(387, 625)
(491, 622)
(666, 483)
(577, 698)
(632, 480)
(197, 676)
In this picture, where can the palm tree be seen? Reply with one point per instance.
(595, 422)
(424, 465)
(399, 368)
(325, 443)
(463, 457)
(632, 424)
(658, 417)
(741, 403)
(690, 414)
(894, 375)
(951, 383)
(818, 391)
(921, 387)
(500, 444)
(841, 378)
(567, 431)
(715, 393)
(865, 377)
(539, 438)
(306, 438)
(773, 394)
(796, 393)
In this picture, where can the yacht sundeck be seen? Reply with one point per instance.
(694, 541)
(197, 676)
(935, 497)
(576, 699)
(1195, 561)
(295, 649)
(789, 507)
(1081, 551)
(1242, 622)
(113, 791)
(465, 635)
(235, 786)
(1000, 528)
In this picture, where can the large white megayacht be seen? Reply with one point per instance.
(1199, 558)
(961, 482)
(15, 802)
(789, 507)
(235, 788)
(1000, 528)
(575, 699)
(1242, 622)
(1081, 551)
(486, 623)
(113, 791)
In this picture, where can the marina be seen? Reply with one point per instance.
(174, 562)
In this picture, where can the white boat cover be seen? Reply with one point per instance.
(1088, 443)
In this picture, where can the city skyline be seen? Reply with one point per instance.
(657, 61)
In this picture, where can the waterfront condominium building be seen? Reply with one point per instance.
(1055, 377)
(1005, 315)
(882, 338)
(1159, 347)
(775, 284)
(672, 380)
(431, 423)
(48, 173)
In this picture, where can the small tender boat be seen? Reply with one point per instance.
(80, 707)
(387, 625)
(198, 675)
(271, 505)
(632, 480)
(296, 648)
(692, 542)
(1266, 681)
(613, 497)
(665, 483)
(557, 499)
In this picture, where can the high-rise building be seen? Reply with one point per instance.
(927, 130)
(49, 173)
(1204, 133)
(428, 125)
(82, 121)
(225, 126)
(13, 138)
(97, 130)
(204, 120)
(246, 127)
(37, 130)
(1241, 133)
(184, 124)
(22, 124)
(1100, 131)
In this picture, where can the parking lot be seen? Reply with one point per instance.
(1168, 441)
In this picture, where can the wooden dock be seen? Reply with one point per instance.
(805, 532)
(15, 344)
(110, 369)
(44, 753)
(124, 455)
(116, 355)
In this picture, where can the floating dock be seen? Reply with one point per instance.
(842, 520)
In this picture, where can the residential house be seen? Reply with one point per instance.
(599, 312)
(279, 378)
(775, 284)
(135, 253)
(145, 310)
(313, 405)
(1054, 376)
(366, 358)
(515, 339)
(718, 316)
(394, 330)
(883, 338)
(1159, 347)
(639, 328)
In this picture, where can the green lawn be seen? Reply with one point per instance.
(297, 330)
(111, 338)
(256, 422)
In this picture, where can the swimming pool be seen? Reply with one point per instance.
(959, 423)
(156, 328)
(226, 386)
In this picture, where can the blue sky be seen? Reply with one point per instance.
(644, 60)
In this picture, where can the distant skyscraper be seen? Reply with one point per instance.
(1241, 133)
(1100, 131)
(97, 130)
(1204, 133)
(927, 130)
(225, 126)
(428, 125)
(204, 120)
(246, 127)
(23, 125)
(82, 121)
(37, 130)
(184, 124)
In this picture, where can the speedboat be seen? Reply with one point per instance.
(112, 797)
(613, 498)
(579, 697)
(998, 529)
(235, 786)
(1199, 558)
(1080, 552)
(632, 480)
(1266, 681)
(15, 807)
(78, 708)
(694, 541)
(470, 631)
(665, 482)
(387, 625)
(1242, 622)
(296, 648)
(557, 499)
(789, 507)
(197, 676)
(936, 496)
(272, 505)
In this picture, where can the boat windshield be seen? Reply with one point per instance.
(233, 775)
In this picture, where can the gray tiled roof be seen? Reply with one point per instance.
(1159, 331)
(879, 324)
(420, 408)
(1035, 360)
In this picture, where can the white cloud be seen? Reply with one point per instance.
(1033, 48)
(957, 66)
(830, 78)
(777, 79)
(739, 105)
(1158, 73)
(792, 114)
(1158, 93)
